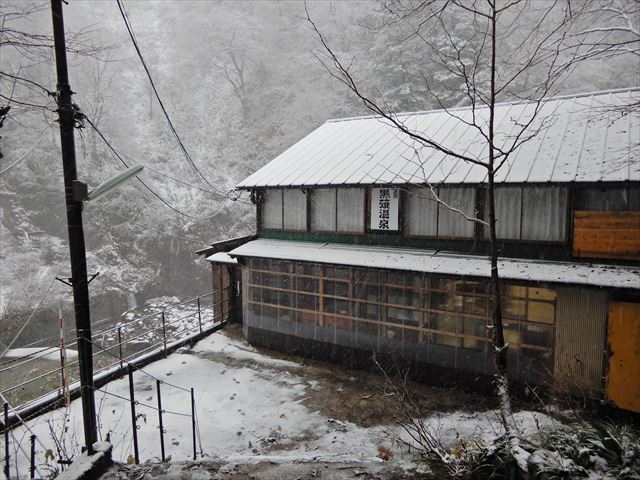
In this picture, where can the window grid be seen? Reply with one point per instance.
(451, 322)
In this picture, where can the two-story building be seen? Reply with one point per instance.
(353, 255)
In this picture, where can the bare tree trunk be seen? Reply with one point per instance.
(497, 327)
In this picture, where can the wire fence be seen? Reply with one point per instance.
(29, 389)
(25, 456)
(53, 369)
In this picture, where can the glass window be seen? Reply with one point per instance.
(453, 224)
(295, 209)
(448, 324)
(270, 296)
(272, 209)
(618, 199)
(529, 315)
(369, 311)
(508, 208)
(634, 199)
(544, 213)
(323, 209)
(350, 210)
(512, 333)
(421, 213)
(255, 294)
(305, 268)
(540, 308)
(537, 334)
(341, 307)
(473, 327)
(306, 284)
(339, 289)
(342, 272)
(307, 302)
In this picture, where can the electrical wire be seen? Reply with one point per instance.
(32, 314)
(119, 155)
(28, 152)
(192, 186)
(153, 86)
(192, 239)
(157, 195)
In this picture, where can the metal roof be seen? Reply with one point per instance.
(582, 139)
(444, 263)
(224, 245)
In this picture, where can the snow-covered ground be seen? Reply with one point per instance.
(254, 406)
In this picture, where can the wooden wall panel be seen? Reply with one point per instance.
(606, 234)
(623, 379)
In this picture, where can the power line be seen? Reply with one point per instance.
(119, 155)
(157, 195)
(233, 199)
(193, 186)
(32, 315)
(153, 86)
(28, 152)
(192, 239)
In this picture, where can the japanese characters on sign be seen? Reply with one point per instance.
(384, 208)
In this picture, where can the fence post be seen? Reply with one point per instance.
(7, 451)
(134, 422)
(164, 334)
(63, 359)
(193, 421)
(32, 468)
(160, 420)
(120, 346)
(199, 316)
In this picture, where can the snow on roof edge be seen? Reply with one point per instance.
(428, 261)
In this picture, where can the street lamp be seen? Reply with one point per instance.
(81, 191)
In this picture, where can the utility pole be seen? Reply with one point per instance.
(76, 235)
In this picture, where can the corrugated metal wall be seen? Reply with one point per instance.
(580, 340)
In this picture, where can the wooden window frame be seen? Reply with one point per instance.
(423, 288)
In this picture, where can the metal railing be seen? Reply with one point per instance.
(31, 386)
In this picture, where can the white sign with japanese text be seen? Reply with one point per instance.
(384, 208)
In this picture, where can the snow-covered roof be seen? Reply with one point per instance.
(47, 353)
(583, 138)
(445, 263)
(221, 257)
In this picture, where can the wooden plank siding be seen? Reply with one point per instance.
(613, 235)
(623, 380)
